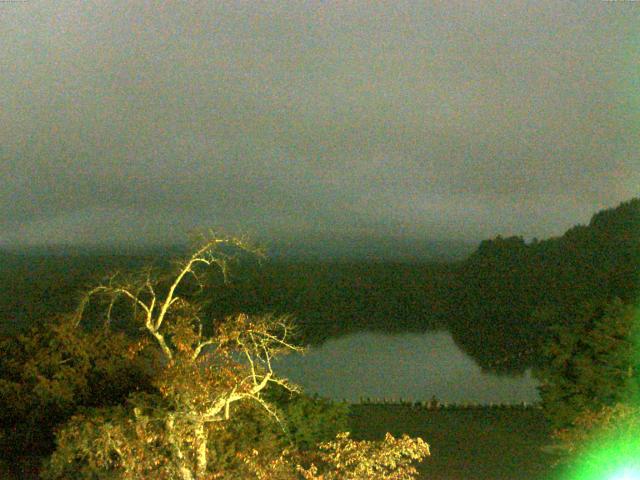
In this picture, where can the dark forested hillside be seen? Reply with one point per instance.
(498, 303)
(327, 298)
(331, 299)
(507, 293)
(37, 285)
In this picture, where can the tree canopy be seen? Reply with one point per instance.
(208, 398)
(592, 363)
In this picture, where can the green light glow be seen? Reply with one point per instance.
(614, 460)
(613, 453)
(627, 473)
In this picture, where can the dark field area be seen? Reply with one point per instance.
(473, 444)
(478, 443)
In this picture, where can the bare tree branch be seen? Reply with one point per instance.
(201, 388)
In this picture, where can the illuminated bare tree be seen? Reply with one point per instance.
(199, 377)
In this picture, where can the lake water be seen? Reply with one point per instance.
(410, 366)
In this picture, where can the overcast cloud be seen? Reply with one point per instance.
(136, 121)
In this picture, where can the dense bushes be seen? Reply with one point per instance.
(590, 387)
(591, 363)
(49, 372)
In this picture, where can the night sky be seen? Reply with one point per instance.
(134, 122)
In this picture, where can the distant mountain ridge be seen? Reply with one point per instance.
(365, 249)
(355, 247)
(304, 249)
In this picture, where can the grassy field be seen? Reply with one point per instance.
(479, 443)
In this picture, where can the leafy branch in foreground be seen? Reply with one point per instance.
(346, 459)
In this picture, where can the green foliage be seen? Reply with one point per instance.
(608, 424)
(87, 446)
(343, 459)
(145, 438)
(347, 459)
(312, 420)
(591, 363)
(252, 428)
(52, 370)
(132, 441)
(303, 423)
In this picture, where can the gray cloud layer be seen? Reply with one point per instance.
(133, 121)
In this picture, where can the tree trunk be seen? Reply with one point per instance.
(181, 463)
(201, 450)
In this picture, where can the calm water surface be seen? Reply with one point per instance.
(409, 366)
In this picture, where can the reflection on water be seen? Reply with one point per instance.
(409, 366)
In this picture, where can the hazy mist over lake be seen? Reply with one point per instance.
(409, 366)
